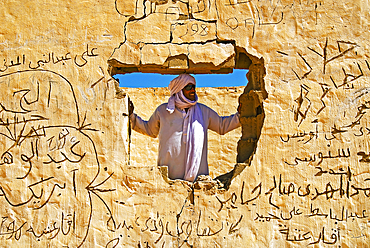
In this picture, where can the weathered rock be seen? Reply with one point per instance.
(210, 53)
(154, 54)
(152, 29)
(72, 174)
(127, 54)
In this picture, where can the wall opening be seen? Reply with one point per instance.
(250, 101)
(155, 80)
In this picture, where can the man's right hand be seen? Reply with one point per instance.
(130, 107)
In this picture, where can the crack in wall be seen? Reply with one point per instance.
(191, 198)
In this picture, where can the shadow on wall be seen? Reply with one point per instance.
(250, 101)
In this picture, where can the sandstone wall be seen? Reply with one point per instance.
(302, 177)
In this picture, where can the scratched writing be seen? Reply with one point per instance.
(170, 10)
(53, 188)
(184, 231)
(316, 98)
(335, 85)
(22, 61)
(251, 15)
(348, 128)
(11, 229)
(192, 31)
(160, 229)
(319, 158)
(349, 46)
(344, 215)
(46, 158)
(345, 188)
(303, 105)
(341, 184)
(297, 235)
(265, 14)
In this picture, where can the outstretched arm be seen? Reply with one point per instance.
(223, 124)
(150, 127)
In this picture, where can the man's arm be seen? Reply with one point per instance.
(150, 127)
(223, 124)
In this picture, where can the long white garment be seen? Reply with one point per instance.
(171, 131)
(194, 142)
(194, 132)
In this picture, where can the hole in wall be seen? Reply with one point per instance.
(236, 78)
(222, 99)
(250, 101)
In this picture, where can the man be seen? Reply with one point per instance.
(181, 125)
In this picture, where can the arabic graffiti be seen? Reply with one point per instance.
(320, 157)
(297, 235)
(49, 161)
(328, 152)
(10, 229)
(46, 159)
(286, 198)
(335, 79)
(341, 90)
(22, 61)
(290, 206)
(181, 227)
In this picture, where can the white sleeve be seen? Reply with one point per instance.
(223, 124)
(150, 127)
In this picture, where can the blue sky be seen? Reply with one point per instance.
(145, 80)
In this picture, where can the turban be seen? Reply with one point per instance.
(177, 98)
(178, 83)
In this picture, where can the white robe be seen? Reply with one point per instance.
(170, 130)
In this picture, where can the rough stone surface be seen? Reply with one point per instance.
(128, 54)
(300, 177)
(151, 29)
(154, 54)
(211, 53)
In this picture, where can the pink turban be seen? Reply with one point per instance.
(177, 98)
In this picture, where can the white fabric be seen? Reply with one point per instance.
(172, 131)
(182, 102)
(194, 142)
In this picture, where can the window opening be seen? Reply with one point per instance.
(250, 101)
(154, 80)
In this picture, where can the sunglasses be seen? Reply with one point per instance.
(189, 87)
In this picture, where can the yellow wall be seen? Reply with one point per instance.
(64, 174)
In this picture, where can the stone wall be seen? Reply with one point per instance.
(302, 176)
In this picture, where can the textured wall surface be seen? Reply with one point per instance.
(302, 177)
